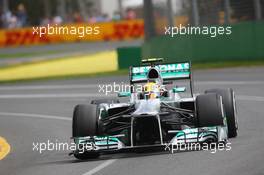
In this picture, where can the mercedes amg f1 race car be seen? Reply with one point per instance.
(155, 116)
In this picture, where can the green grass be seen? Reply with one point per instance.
(195, 66)
(38, 61)
(79, 76)
(227, 64)
(27, 54)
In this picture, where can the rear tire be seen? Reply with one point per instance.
(209, 110)
(85, 124)
(230, 109)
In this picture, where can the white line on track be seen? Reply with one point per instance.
(43, 87)
(90, 172)
(100, 167)
(108, 162)
(60, 95)
(229, 82)
(35, 116)
(80, 95)
(85, 86)
(250, 98)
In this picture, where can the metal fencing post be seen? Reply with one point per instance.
(82, 8)
(61, 9)
(195, 12)
(227, 11)
(170, 13)
(5, 7)
(120, 7)
(258, 12)
(149, 23)
(47, 9)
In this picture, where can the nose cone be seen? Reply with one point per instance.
(151, 107)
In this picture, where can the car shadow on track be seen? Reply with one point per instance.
(119, 155)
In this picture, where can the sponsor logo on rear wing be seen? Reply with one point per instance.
(172, 71)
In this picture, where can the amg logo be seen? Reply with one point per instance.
(172, 67)
(162, 68)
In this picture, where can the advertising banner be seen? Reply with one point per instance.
(82, 32)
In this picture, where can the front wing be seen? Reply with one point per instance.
(189, 135)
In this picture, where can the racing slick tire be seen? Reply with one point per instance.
(229, 102)
(99, 101)
(85, 124)
(209, 110)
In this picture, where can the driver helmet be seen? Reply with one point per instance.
(151, 90)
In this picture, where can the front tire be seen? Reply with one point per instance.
(229, 102)
(84, 121)
(85, 124)
(209, 110)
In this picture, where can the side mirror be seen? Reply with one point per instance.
(124, 94)
(178, 89)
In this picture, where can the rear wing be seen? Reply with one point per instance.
(169, 71)
(173, 71)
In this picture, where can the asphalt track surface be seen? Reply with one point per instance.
(37, 112)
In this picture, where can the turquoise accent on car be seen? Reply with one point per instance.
(167, 71)
(124, 94)
(178, 89)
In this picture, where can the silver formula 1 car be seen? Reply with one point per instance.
(155, 115)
